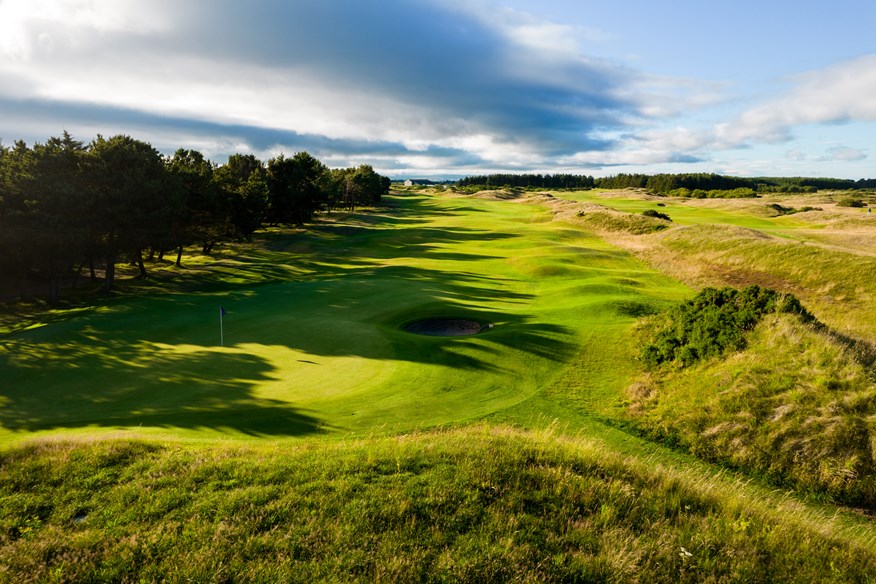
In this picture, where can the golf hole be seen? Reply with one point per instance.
(446, 327)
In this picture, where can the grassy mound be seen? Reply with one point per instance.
(613, 221)
(834, 283)
(825, 258)
(470, 505)
(797, 405)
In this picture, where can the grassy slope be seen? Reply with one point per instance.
(471, 505)
(799, 405)
(795, 405)
(827, 258)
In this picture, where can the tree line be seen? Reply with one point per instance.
(662, 183)
(66, 205)
(538, 181)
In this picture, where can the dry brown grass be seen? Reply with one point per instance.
(828, 258)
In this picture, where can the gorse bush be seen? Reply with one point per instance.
(714, 322)
(656, 214)
(851, 202)
(740, 193)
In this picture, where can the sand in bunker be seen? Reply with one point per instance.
(445, 327)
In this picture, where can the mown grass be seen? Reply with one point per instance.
(482, 504)
(313, 334)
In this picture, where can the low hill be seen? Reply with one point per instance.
(477, 504)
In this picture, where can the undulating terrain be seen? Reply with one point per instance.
(324, 442)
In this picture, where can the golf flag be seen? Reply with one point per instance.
(222, 313)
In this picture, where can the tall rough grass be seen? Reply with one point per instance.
(836, 285)
(796, 405)
(471, 505)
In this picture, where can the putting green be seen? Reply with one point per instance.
(319, 348)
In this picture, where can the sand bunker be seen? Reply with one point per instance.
(446, 327)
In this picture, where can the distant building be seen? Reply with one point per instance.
(420, 182)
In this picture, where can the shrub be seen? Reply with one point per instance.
(739, 193)
(781, 210)
(714, 322)
(656, 214)
(851, 202)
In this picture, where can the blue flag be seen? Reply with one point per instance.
(222, 311)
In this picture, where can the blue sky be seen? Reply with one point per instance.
(440, 89)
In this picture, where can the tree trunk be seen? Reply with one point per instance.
(152, 253)
(161, 254)
(78, 273)
(22, 280)
(140, 264)
(91, 269)
(110, 278)
(179, 252)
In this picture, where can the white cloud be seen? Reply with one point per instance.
(836, 95)
(841, 93)
(413, 72)
(27, 27)
(419, 83)
(843, 154)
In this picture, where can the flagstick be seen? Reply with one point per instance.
(221, 330)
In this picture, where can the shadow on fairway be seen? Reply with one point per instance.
(327, 250)
(336, 246)
(360, 312)
(88, 381)
(341, 289)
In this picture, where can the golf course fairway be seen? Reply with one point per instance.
(314, 339)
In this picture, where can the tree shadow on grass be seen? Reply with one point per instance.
(163, 375)
(324, 252)
(85, 381)
(362, 313)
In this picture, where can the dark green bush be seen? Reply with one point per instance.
(714, 322)
(782, 210)
(851, 202)
(656, 214)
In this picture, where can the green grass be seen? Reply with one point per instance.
(324, 443)
(826, 258)
(796, 406)
(482, 504)
(313, 334)
(749, 213)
